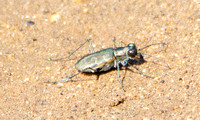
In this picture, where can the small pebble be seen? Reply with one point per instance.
(26, 79)
(30, 23)
(162, 81)
(54, 17)
(85, 10)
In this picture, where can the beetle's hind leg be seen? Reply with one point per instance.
(65, 79)
(91, 47)
(71, 53)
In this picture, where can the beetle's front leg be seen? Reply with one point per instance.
(118, 72)
(124, 63)
(142, 72)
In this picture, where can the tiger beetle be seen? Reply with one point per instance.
(106, 59)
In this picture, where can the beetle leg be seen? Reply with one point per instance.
(89, 70)
(115, 63)
(167, 65)
(91, 47)
(71, 53)
(114, 42)
(65, 79)
(124, 63)
(142, 72)
(120, 43)
(118, 72)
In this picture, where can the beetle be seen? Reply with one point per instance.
(106, 59)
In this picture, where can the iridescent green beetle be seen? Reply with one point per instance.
(109, 58)
(106, 59)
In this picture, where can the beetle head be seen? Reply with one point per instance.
(132, 50)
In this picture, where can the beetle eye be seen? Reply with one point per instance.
(132, 53)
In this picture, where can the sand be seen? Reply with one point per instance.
(32, 31)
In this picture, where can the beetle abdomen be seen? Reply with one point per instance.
(96, 62)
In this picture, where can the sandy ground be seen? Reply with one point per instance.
(33, 30)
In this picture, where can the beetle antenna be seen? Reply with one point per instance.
(50, 59)
(163, 43)
(157, 58)
(65, 79)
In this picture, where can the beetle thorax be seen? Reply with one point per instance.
(121, 53)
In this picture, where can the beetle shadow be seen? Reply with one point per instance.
(131, 63)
